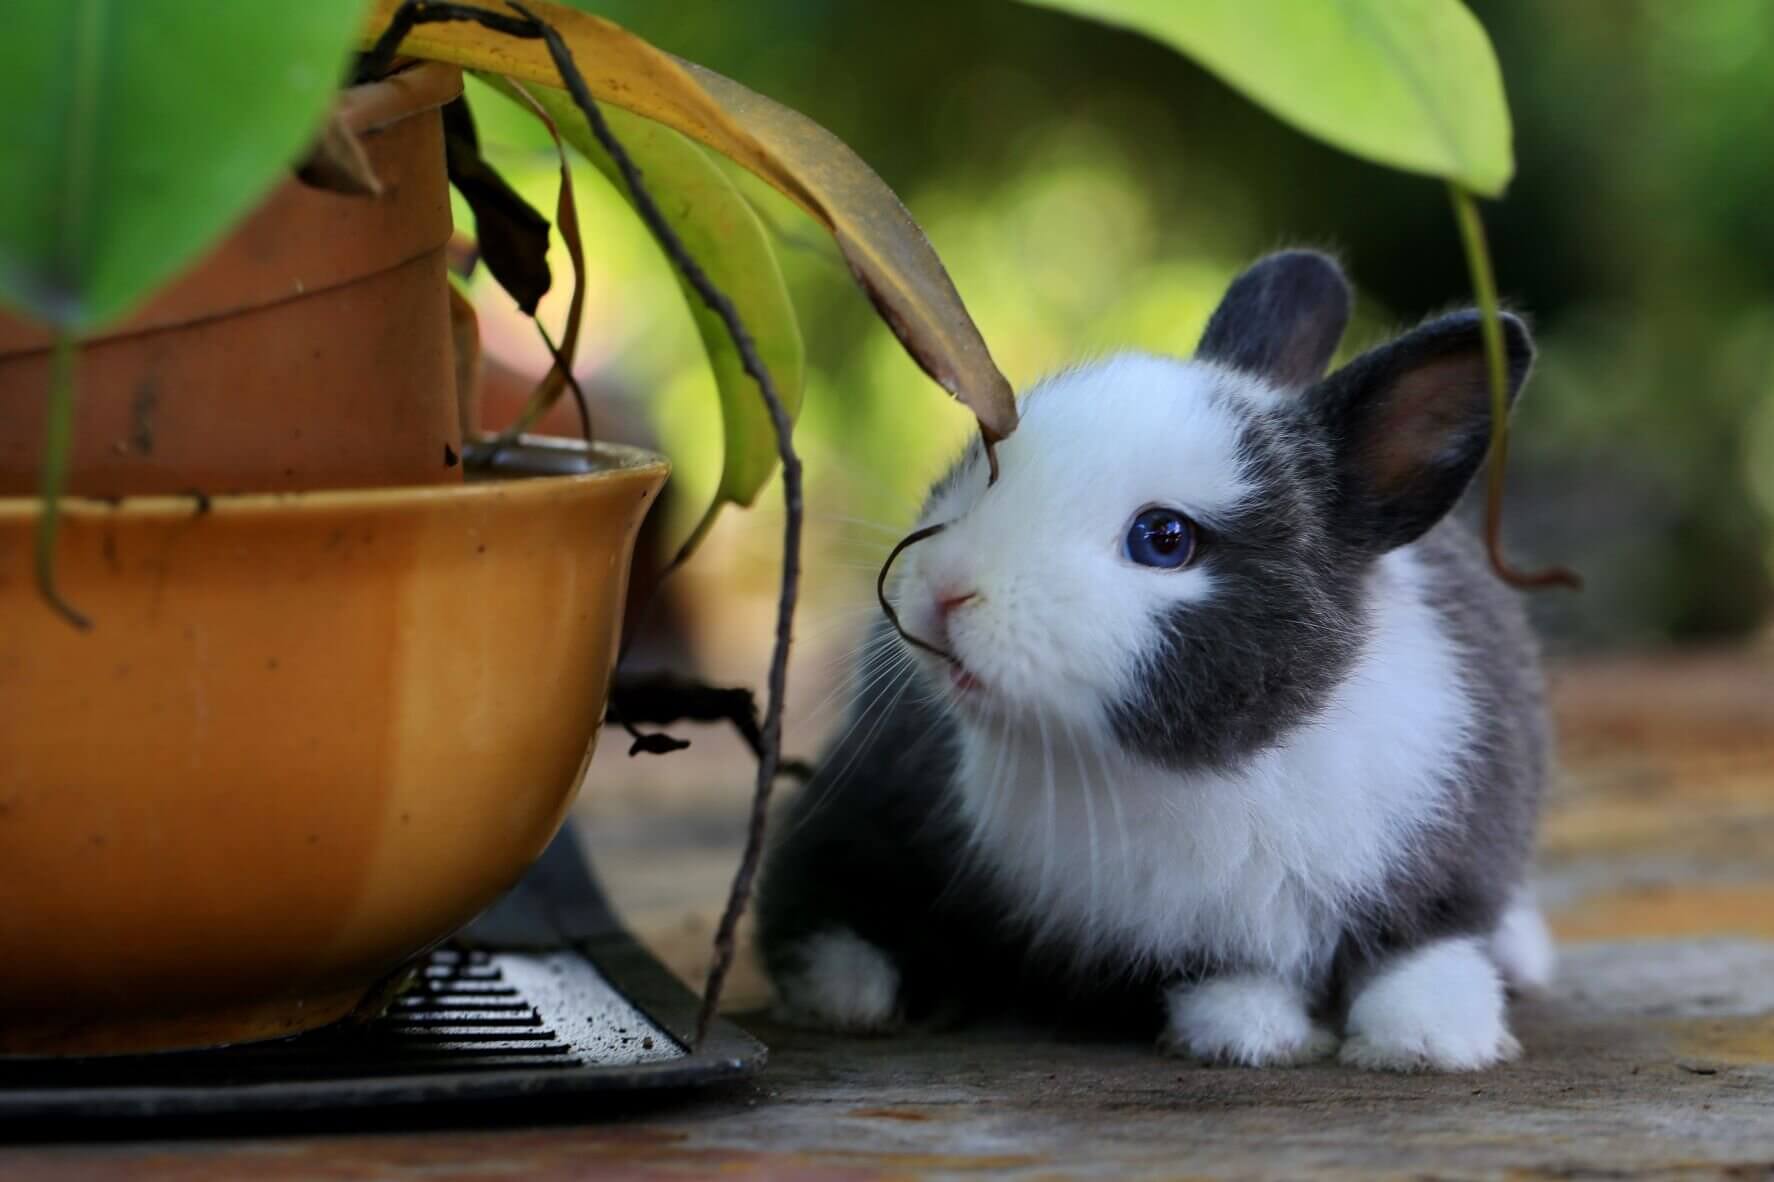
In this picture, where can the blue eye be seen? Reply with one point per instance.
(1162, 538)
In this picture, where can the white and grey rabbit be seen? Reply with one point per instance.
(1241, 737)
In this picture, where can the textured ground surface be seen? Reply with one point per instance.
(1654, 1057)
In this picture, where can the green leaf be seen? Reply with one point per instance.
(137, 131)
(887, 252)
(1413, 84)
(724, 235)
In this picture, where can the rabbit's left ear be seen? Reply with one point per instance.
(1280, 320)
(1410, 422)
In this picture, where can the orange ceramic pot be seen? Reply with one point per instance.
(308, 736)
(310, 350)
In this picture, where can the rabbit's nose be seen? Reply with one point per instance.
(948, 600)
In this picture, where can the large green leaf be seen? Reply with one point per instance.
(1409, 83)
(134, 132)
(723, 234)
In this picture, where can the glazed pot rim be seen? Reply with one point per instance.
(616, 463)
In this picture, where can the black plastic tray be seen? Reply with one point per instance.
(544, 994)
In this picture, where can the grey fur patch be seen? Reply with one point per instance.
(1262, 654)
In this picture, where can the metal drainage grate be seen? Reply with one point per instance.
(465, 1013)
(581, 1008)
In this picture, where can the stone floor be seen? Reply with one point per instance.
(1653, 1057)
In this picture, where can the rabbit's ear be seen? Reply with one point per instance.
(1410, 422)
(1280, 320)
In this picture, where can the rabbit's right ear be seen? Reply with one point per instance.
(1280, 320)
(1410, 423)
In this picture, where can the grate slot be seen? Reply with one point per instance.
(466, 1035)
(450, 1021)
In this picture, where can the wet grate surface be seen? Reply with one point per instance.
(468, 1012)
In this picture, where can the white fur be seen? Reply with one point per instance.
(1437, 1008)
(1059, 607)
(1244, 1020)
(846, 984)
(1255, 865)
(1522, 947)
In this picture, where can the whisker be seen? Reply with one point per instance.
(830, 784)
(1003, 765)
(1114, 790)
(827, 627)
(901, 682)
(869, 568)
(895, 531)
(1089, 794)
(869, 674)
(853, 655)
(1051, 823)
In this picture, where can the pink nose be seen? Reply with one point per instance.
(946, 603)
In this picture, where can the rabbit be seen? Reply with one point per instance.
(1216, 723)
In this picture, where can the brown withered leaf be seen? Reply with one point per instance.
(465, 341)
(513, 237)
(338, 163)
(884, 247)
(566, 216)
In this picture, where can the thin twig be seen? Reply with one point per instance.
(718, 303)
(375, 63)
(566, 368)
(916, 536)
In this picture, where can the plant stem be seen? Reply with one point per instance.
(1484, 285)
(58, 444)
(565, 366)
(770, 757)
(375, 63)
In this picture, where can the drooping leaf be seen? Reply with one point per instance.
(338, 163)
(560, 374)
(1413, 84)
(134, 132)
(724, 235)
(465, 345)
(513, 237)
(888, 254)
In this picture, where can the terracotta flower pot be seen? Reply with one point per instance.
(308, 736)
(310, 350)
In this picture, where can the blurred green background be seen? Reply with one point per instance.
(1091, 191)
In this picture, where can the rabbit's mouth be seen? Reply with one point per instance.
(964, 682)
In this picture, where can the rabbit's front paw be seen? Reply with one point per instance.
(1245, 1021)
(843, 983)
(1436, 1008)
